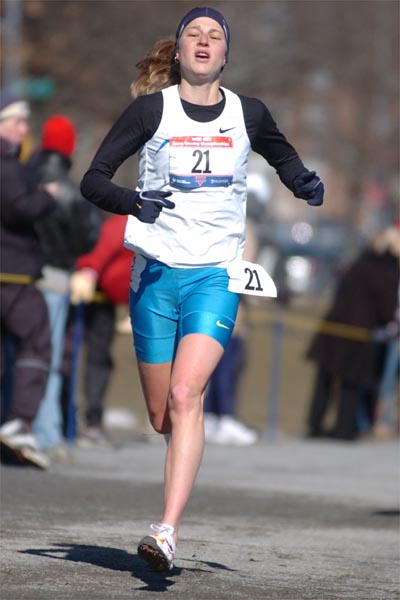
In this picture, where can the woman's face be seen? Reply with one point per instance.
(202, 50)
(14, 129)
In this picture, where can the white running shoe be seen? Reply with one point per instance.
(10, 427)
(92, 437)
(15, 436)
(158, 549)
(232, 432)
(211, 421)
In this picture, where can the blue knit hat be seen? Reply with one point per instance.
(204, 11)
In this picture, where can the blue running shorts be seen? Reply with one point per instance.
(167, 303)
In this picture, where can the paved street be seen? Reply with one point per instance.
(287, 520)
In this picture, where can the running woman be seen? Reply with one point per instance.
(186, 227)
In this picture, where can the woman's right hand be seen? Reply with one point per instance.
(148, 205)
(82, 286)
(52, 188)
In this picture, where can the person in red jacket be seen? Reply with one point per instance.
(105, 269)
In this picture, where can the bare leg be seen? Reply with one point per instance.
(195, 361)
(174, 401)
(155, 380)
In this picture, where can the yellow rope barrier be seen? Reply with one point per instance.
(28, 279)
(301, 322)
(17, 279)
(304, 323)
(99, 297)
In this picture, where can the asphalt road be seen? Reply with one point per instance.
(284, 520)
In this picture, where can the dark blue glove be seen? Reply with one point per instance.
(308, 186)
(148, 205)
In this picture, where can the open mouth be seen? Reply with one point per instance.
(202, 55)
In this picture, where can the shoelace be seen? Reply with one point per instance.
(165, 533)
(162, 528)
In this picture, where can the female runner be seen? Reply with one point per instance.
(186, 227)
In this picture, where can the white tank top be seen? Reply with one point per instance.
(204, 166)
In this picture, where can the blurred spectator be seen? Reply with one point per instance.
(386, 421)
(105, 269)
(64, 235)
(24, 316)
(221, 425)
(366, 297)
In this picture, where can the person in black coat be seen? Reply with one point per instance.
(64, 235)
(74, 228)
(366, 298)
(24, 315)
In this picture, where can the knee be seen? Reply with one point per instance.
(183, 399)
(160, 423)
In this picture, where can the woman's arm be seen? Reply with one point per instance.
(130, 132)
(267, 140)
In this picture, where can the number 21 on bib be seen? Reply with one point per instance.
(198, 161)
(249, 278)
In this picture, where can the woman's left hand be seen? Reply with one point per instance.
(308, 186)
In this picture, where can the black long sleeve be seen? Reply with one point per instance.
(130, 132)
(140, 120)
(268, 141)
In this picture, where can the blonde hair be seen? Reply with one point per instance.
(157, 70)
(387, 240)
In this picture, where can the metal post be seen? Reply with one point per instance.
(275, 375)
(77, 337)
(12, 42)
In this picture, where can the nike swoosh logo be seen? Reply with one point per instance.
(219, 324)
(164, 143)
(225, 130)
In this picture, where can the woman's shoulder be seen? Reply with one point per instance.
(147, 101)
(251, 103)
(143, 110)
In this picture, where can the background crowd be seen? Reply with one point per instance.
(65, 272)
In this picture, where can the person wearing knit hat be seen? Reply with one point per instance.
(64, 236)
(59, 134)
(12, 106)
(14, 114)
(186, 225)
(52, 160)
(24, 315)
(208, 12)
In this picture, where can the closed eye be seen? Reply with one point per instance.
(213, 34)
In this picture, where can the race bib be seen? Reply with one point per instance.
(199, 161)
(249, 278)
